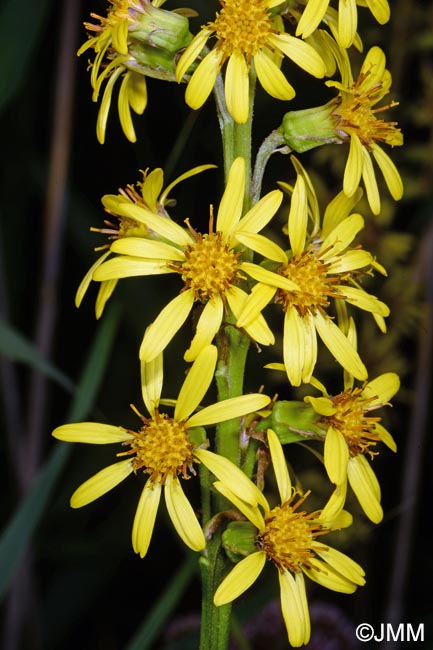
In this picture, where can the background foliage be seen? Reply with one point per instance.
(69, 578)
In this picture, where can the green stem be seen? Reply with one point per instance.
(233, 348)
(272, 144)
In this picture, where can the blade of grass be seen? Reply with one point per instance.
(14, 346)
(18, 533)
(157, 618)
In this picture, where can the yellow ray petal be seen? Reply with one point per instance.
(128, 267)
(271, 77)
(183, 516)
(294, 608)
(296, 333)
(227, 409)
(159, 334)
(350, 261)
(262, 245)
(366, 487)
(334, 506)
(267, 277)
(151, 382)
(230, 208)
(341, 563)
(137, 93)
(85, 282)
(311, 16)
(100, 483)
(338, 209)
(240, 578)
(298, 217)
(380, 10)
(256, 327)
(364, 300)
(191, 53)
(390, 172)
(105, 291)
(144, 520)
(342, 236)
(124, 109)
(166, 228)
(340, 347)
(261, 213)
(148, 248)
(231, 476)
(336, 456)
(354, 166)
(252, 513)
(280, 467)
(300, 52)
(370, 182)
(203, 79)
(208, 325)
(91, 432)
(183, 177)
(322, 405)
(385, 436)
(326, 576)
(249, 307)
(196, 383)
(236, 87)
(347, 22)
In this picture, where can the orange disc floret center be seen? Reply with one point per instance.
(242, 26)
(355, 115)
(288, 536)
(315, 285)
(162, 448)
(210, 266)
(352, 420)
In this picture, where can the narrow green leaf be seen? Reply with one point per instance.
(14, 346)
(16, 537)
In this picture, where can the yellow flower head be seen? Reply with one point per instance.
(320, 267)
(209, 265)
(164, 449)
(246, 35)
(135, 39)
(352, 433)
(287, 536)
(317, 10)
(148, 194)
(355, 113)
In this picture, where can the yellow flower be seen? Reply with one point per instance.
(135, 39)
(319, 267)
(164, 449)
(354, 113)
(287, 536)
(316, 11)
(209, 265)
(148, 195)
(352, 433)
(246, 35)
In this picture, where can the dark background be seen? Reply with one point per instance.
(69, 579)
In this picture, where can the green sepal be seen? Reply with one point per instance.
(161, 30)
(292, 421)
(309, 128)
(239, 540)
(197, 435)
